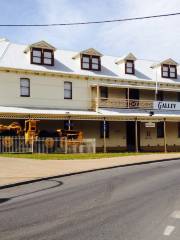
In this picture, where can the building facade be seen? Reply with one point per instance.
(126, 104)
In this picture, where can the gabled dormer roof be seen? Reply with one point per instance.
(42, 44)
(89, 51)
(168, 61)
(129, 56)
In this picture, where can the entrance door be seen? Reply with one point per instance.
(130, 136)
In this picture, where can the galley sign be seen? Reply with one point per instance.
(163, 105)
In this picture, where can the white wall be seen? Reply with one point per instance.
(47, 92)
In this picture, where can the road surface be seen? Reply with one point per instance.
(128, 203)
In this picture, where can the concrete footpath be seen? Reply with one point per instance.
(15, 170)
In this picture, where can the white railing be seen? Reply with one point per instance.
(9, 144)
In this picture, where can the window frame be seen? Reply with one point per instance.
(169, 66)
(52, 57)
(70, 83)
(85, 56)
(29, 90)
(32, 56)
(42, 57)
(133, 67)
(91, 57)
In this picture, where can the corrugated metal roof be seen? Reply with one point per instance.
(12, 56)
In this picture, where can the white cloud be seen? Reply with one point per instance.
(152, 39)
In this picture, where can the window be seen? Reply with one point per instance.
(104, 127)
(103, 92)
(90, 62)
(85, 62)
(129, 67)
(24, 87)
(67, 90)
(160, 130)
(169, 71)
(95, 63)
(36, 56)
(42, 56)
(48, 57)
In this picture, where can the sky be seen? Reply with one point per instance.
(153, 39)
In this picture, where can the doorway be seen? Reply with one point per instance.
(130, 136)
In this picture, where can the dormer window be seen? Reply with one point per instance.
(90, 62)
(42, 56)
(129, 67)
(169, 71)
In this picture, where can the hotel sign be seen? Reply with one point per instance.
(163, 105)
(150, 125)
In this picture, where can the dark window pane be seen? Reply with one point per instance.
(160, 96)
(103, 92)
(160, 130)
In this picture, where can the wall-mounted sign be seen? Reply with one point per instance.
(163, 105)
(150, 124)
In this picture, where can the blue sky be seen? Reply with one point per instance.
(149, 39)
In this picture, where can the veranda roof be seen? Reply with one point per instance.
(107, 113)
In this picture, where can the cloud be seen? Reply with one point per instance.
(150, 39)
(153, 39)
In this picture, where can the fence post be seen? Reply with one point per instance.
(94, 146)
(65, 145)
(32, 145)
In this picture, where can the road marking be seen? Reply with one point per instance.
(176, 214)
(168, 230)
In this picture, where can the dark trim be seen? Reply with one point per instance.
(42, 56)
(90, 57)
(133, 67)
(168, 71)
(70, 90)
(29, 89)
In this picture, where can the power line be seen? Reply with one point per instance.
(91, 22)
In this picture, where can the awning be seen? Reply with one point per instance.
(107, 113)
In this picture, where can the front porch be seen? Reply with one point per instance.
(123, 134)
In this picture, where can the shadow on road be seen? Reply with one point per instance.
(58, 184)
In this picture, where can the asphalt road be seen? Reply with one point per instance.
(128, 203)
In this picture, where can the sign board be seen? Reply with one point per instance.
(163, 105)
(150, 124)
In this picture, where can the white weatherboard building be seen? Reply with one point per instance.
(125, 103)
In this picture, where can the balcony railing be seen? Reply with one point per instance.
(122, 103)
